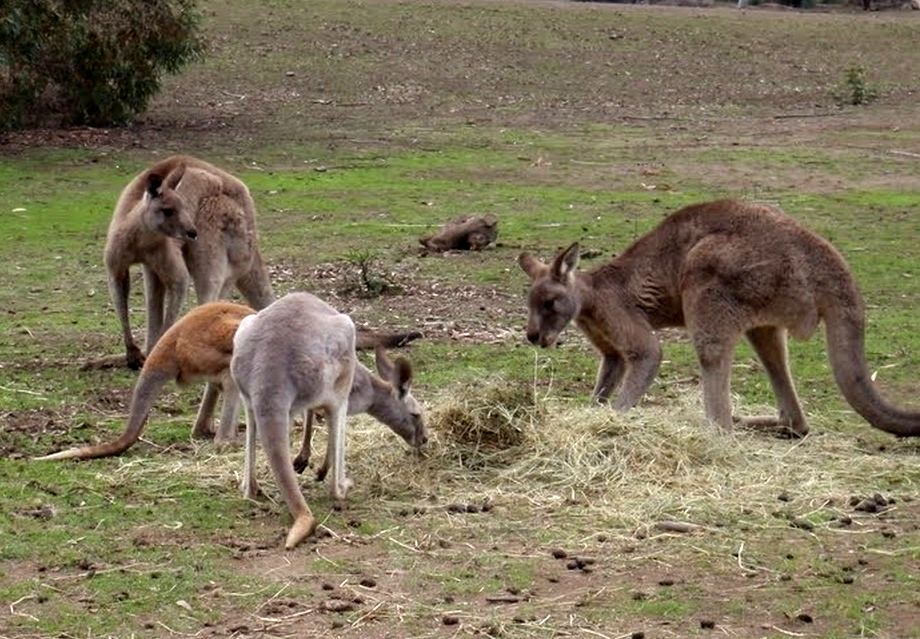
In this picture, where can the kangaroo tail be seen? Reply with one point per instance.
(255, 285)
(147, 388)
(845, 326)
(367, 339)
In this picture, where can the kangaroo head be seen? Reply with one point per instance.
(166, 211)
(408, 421)
(553, 300)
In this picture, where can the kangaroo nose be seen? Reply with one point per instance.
(533, 337)
(191, 234)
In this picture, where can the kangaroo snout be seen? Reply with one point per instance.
(533, 337)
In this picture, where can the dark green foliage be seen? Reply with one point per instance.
(855, 90)
(91, 62)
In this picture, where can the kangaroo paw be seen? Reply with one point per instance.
(134, 358)
(301, 464)
(321, 473)
(303, 527)
(251, 490)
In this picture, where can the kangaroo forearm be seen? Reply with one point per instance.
(636, 382)
(609, 376)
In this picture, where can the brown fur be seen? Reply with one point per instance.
(466, 233)
(184, 220)
(197, 347)
(723, 270)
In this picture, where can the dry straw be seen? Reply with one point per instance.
(508, 444)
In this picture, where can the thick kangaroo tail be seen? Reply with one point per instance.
(845, 348)
(255, 285)
(366, 339)
(147, 388)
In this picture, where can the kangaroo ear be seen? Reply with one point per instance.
(402, 379)
(531, 265)
(384, 365)
(172, 180)
(565, 263)
(154, 182)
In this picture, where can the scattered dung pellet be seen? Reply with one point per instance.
(418, 510)
(443, 543)
(357, 599)
(789, 555)
(889, 534)
(572, 565)
(878, 499)
(553, 580)
(472, 508)
(844, 520)
(338, 605)
(487, 507)
(666, 582)
(862, 561)
(602, 538)
(854, 500)
(640, 596)
(784, 496)
(559, 553)
(518, 620)
(354, 523)
(367, 582)
(404, 512)
(456, 508)
(847, 579)
(450, 620)
(707, 624)
(337, 623)
(785, 577)
(327, 586)
(802, 523)
(637, 635)
(804, 617)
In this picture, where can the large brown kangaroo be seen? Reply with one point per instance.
(721, 269)
(184, 220)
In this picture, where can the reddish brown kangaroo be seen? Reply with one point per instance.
(721, 269)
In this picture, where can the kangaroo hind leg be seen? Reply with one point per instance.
(770, 344)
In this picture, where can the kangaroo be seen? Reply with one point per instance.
(296, 354)
(182, 219)
(722, 270)
(198, 348)
(387, 399)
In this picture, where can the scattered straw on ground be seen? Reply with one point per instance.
(508, 445)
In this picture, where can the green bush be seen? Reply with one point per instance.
(94, 62)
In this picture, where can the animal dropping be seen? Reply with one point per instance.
(723, 270)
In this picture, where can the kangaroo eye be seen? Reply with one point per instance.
(168, 212)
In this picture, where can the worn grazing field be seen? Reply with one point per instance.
(362, 125)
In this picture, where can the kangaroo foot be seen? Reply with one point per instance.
(321, 472)
(303, 527)
(251, 490)
(134, 358)
(301, 462)
(340, 489)
(778, 426)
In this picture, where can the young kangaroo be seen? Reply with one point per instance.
(296, 354)
(183, 219)
(386, 398)
(198, 347)
(721, 269)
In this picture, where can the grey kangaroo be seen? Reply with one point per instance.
(183, 220)
(299, 354)
(721, 269)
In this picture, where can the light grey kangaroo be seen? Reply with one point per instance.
(183, 220)
(298, 354)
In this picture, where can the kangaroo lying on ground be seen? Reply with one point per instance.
(722, 269)
(183, 219)
(198, 348)
(299, 354)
